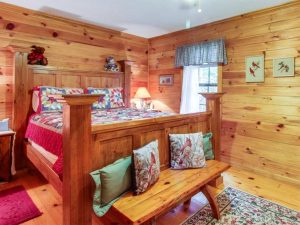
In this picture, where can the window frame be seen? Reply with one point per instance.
(219, 80)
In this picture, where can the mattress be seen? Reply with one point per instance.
(45, 129)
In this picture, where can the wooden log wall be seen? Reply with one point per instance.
(69, 45)
(6, 84)
(261, 121)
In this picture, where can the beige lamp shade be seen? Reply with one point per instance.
(142, 92)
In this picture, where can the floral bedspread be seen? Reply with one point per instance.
(45, 128)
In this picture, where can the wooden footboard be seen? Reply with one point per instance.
(87, 148)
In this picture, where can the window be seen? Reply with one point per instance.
(208, 82)
(197, 79)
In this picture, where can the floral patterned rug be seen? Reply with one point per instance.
(240, 208)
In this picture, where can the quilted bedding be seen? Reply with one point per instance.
(45, 128)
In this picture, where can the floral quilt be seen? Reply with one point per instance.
(45, 128)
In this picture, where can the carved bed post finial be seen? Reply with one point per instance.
(213, 104)
(77, 149)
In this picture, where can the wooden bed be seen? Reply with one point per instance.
(88, 147)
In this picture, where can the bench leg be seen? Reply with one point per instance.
(186, 204)
(216, 182)
(206, 190)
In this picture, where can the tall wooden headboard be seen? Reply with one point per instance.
(27, 77)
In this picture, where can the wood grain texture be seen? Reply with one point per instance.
(26, 77)
(261, 122)
(173, 187)
(69, 45)
(50, 202)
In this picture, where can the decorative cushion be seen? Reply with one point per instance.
(187, 151)
(111, 183)
(74, 91)
(113, 97)
(35, 101)
(116, 97)
(41, 102)
(146, 167)
(47, 103)
(207, 146)
(104, 101)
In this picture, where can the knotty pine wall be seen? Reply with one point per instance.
(69, 44)
(261, 122)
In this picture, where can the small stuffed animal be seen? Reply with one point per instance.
(36, 57)
(111, 64)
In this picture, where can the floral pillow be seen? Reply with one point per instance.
(103, 101)
(187, 151)
(48, 103)
(146, 167)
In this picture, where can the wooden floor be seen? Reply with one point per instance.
(49, 202)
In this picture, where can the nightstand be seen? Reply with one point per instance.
(6, 151)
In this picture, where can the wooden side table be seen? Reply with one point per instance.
(6, 151)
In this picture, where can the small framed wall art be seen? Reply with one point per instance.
(255, 68)
(166, 80)
(284, 67)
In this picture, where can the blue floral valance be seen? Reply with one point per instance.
(208, 52)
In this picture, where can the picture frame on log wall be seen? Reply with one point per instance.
(255, 69)
(166, 80)
(284, 67)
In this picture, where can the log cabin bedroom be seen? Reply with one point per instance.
(175, 112)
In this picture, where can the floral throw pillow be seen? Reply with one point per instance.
(146, 167)
(49, 103)
(187, 151)
(104, 101)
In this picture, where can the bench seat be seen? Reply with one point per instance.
(172, 188)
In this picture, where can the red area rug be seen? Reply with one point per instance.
(16, 206)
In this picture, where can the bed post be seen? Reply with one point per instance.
(213, 104)
(126, 68)
(77, 146)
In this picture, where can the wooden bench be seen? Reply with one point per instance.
(173, 187)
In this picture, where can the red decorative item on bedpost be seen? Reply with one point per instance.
(213, 104)
(77, 148)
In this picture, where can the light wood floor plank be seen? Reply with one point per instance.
(49, 202)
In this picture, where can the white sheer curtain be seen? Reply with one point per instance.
(190, 99)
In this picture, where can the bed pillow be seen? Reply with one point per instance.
(35, 100)
(47, 103)
(103, 101)
(116, 97)
(146, 167)
(187, 151)
(74, 91)
(113, 97)
(111, 183)
(207, 146)
(42, 102)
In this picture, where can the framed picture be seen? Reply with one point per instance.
(255, 68)
(166, 80)
(284, 67)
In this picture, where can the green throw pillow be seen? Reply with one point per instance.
(207, 146)
(111, 183)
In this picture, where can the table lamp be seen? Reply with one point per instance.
(142, 94)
